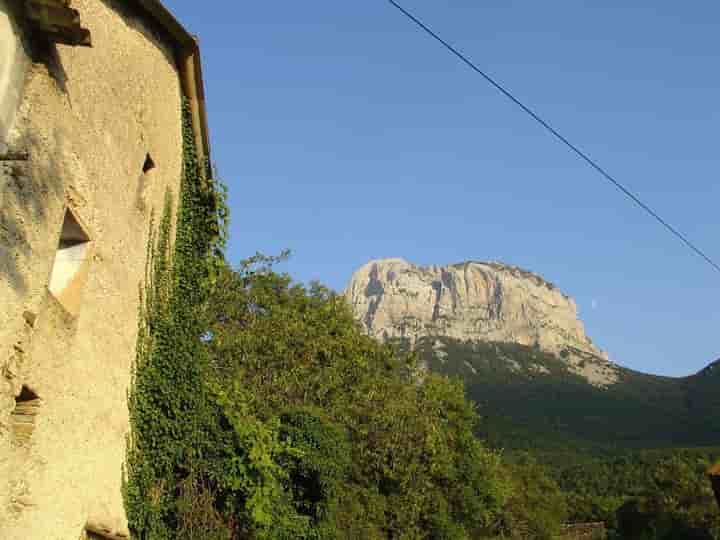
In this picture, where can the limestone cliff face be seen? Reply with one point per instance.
(474, 301)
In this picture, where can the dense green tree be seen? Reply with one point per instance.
(172, 417)
(650, 494)
(335, 435)
(676, 502)
(537, 507)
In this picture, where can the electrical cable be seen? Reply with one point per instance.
(684, 239)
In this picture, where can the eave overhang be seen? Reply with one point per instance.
(187, 52)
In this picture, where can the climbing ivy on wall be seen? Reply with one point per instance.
(260, 410)
(171, 417)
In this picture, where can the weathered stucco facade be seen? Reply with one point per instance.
(77, 190)
(13, 66)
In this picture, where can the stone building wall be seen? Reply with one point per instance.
(88, 118)
(13, 66)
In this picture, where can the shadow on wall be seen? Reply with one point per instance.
(138, 21)
(30, 179)
(29, 188)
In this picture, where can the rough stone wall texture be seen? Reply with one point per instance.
(474, 302)
(13, 66)
(87, 117)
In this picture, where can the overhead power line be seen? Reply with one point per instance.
(684, 239)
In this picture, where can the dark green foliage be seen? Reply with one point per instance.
(172, 418)
(670, 499)
(537, 507)
(334, 436)
(606, 448)
(559, 413)
(320, 466)
(197, 515)
(703, 396)
(597, 487)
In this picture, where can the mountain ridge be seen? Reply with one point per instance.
(479, 301)
(535, 391)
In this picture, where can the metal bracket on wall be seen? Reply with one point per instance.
(58, 21)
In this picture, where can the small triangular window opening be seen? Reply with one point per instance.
(26, 395)
(69, 268)
(27, 406)
(149, 164)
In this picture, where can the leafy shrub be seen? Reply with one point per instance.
(354, 446)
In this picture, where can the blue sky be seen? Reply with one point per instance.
(345, 135)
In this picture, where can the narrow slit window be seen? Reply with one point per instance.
(149, 164)
(70, 266)
(27, 406)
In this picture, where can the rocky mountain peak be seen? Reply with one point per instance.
(474, 301)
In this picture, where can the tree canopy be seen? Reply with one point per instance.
(335, 435)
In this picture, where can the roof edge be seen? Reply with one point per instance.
(189, 64)
(167, 20)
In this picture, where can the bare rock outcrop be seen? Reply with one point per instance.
(475, 301)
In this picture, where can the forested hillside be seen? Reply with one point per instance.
(633, 454)
(530, 400)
